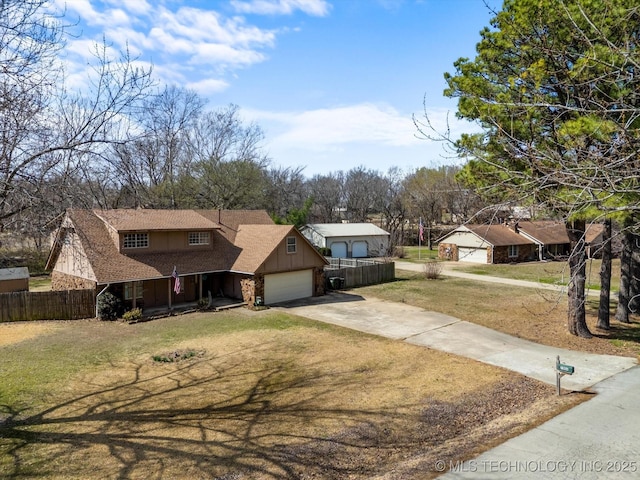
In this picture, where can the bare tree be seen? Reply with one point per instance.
(46, 132)
(328, 197)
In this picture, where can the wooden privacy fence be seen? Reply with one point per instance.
(53, 305)
(356, 272)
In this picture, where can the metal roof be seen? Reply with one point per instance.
(346, 229)
(15, 273)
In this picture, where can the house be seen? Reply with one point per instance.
(486, 244)
(550, 237)
(153, 258)
(348, 240)
(14, 279)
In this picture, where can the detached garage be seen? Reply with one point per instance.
(348, 240)
(485, 244)
(282, 287)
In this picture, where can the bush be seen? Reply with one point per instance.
(399, 252)
(432, 270)
(203, 304)
(133, 314)
(109, 307)
(325, 251)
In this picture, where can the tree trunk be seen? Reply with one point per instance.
(634, 280)
(622, 311)
(577, 319)
(605, 279)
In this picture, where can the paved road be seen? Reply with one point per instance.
(598, 439)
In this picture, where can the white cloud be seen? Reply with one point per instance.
(208, 86)
(330, 127)
(342, 138)
(318, 8)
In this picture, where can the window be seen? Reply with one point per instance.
(198, 238)
(128, 290)
(513, 251)
(291, 244)
(136, 240)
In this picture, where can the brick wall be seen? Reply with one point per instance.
(448, 251)
(63, 281)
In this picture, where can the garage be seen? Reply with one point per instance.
(282, 287)
(339, 249)
(359, 250)
(472, 255)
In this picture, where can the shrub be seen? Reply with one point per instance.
(432, 270)
(133, 314)
(203, 303)
(325, 251)
(109, 307)
(399, 252)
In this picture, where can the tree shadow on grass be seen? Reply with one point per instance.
(206, 417)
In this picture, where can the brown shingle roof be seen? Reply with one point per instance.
(547, 232)
(498, 235)
(257, 242)
(242, 241)
(127, 220)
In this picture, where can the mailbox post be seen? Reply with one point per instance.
(562, 369)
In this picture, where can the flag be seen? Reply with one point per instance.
(176, 285)
(421, 230)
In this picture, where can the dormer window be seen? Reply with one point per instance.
(291, 244)
(136, 240)
(199, 238)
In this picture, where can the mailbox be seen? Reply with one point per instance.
(564, 368)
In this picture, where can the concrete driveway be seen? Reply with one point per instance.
(449, 334)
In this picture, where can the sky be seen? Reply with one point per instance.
(333, 84)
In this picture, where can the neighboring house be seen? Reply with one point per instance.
(133, 254)
(348, 240)
(550, 237)
(485, 244)
(14, 279)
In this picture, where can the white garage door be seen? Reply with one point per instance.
(281, 287)
(338, 249)
(472, 255)
(359, 250)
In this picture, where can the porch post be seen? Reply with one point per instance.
(200, 286)
(169, 290)
(134, 295)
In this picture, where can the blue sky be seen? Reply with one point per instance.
(333, 83)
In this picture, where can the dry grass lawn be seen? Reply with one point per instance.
(537, 315)
(262, 395)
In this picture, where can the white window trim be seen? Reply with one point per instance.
(199, 238)
(137, 240)
(293, 244)
(513, 251)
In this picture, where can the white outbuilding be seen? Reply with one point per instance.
(348, 240)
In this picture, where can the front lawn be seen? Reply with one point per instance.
(556, 273)
(260, 395)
